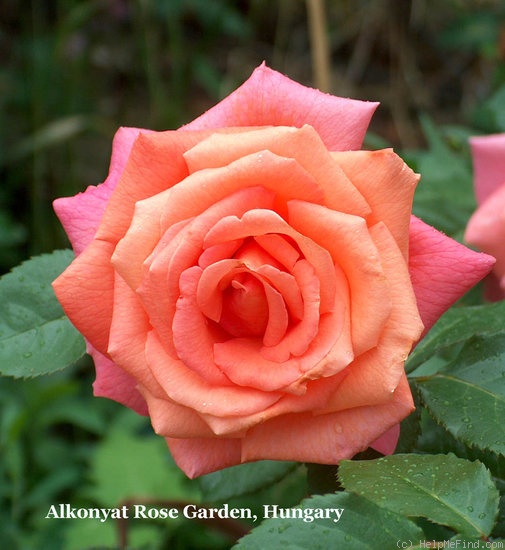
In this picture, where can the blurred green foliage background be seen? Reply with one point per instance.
(72, 71)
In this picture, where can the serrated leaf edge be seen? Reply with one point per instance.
(478, 531)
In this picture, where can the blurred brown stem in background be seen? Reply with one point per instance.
(320, 50)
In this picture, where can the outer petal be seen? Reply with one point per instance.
(128, 334)
(114, 383)
(196, 457)
(85, 290)
(441, 270)
(386, 443)
(155, 164)
(187, 388)
(172, 420)
(261, 101)
(488, 153)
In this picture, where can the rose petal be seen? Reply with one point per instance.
(241, 360)
(128, 333)
(329, 352)
(172, 420)
(196, 457)
(261, 313)
(311, 398)
(155, 164)
(306, 437)
(304, 144)
(187, 388)
(192, 338)
(375, 374)
(486, 229)
(488, 164)
(85, 291)
(114, 383)
(178, 251)
(348, 241)
(279, 248)
(256, 222)
(285, 283)
(386, 443)
(155, 215)
(388, 185)
(441, 270)
(328, 438)
(261, 101)
(299, 336)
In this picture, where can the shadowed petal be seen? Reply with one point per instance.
(115, 383)
(196, 457)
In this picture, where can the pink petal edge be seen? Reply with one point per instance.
(261, 101)
(441, 270)
(114, 383)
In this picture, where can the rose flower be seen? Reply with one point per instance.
(254, 283)
(486, 228)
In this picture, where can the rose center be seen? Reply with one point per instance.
(245, 307)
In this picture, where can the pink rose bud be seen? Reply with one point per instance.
(254, 282)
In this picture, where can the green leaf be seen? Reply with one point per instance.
(468, 396)
(127, 466)
(457, 325)
(489, 114)
(242, 479)
(444, 196)
(442, 488)
(362, 525)
(95, 535)
(35, 335)
(410, 427)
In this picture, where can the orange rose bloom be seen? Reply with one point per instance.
(245, 280)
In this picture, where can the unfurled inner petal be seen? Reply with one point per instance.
(259, 222)
(245, 308)
(300, 336)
